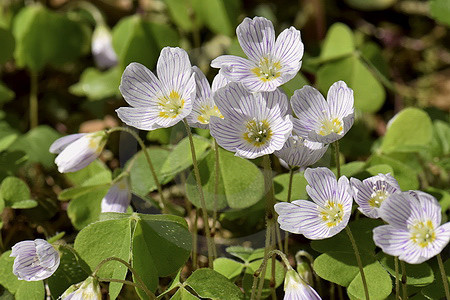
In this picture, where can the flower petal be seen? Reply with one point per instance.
(289, 215)
(139, 86)
(322, 185)
(118, 197)
(61, 143)
(340, 100)
(289, 51)
(310, 224)
(174, 69)
(219, 81)
(310, 107)
(256, 37)
(393, 241)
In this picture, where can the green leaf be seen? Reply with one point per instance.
(247, 281)
(436, 289)
(294, 84)
(101, 240)
(228, 267)
(161, 242)
(183, 294)
(339, 42)
(379, 283)
(219, 16)
(409, 131)
(71, 270)
(22, 290)
(180, 158)
(141, 178)
(341, 268)
(417, 275)
(405, 175)
(351, 168)
(6, 94)
(281, 185)
(30, 290)
(16, 193)
(358, 77)
(78, 191)
(382, 168)
(362, 232)
(35, 143)
(373, 53)
(440, 11)
(7, 41)
(240, 182)
(97, 85)
(245, 253)
(86, 208)
(181, 11)
(8, 135)
(94, 174)
(136, 40)
(209, 284)
(44, 37)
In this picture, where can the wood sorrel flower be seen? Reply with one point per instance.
(329, 212)
(118, 197)
(254, 124)
(88, 289)
(102, 49)
(34, 260)
(414, 233)
(295, 288)
(271, 62)
(300, 152)
(204, 106)
(158, 102)
(371, 192)
(319, 120)
(76, 151)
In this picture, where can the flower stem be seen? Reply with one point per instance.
(216, 189)
(133, 271)
(397, 284)
(358, 259)
(404, 287)
(146, 291)
(209, 241)
(338, 164)
(149, 161)
(195, 242)
(286, 233)
(34, 99)
(444, 276)
(270, 234)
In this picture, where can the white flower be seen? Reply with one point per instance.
(319, 120)
(76, 151)
(414, 233)
(254, 124)
(204, 106)
(326, 215)
(270, 62)
(102, 50)
(371, 192)
(118, 197)
(296, 288)
(86, 290)
(34, 260)
(300, 152)
(158, 102)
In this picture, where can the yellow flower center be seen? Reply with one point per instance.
(422, 233)
(267, 69)
(170, 106)
(378, 196)
(329, 126)
(206, 112)
(332, 214)
(257, 133)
